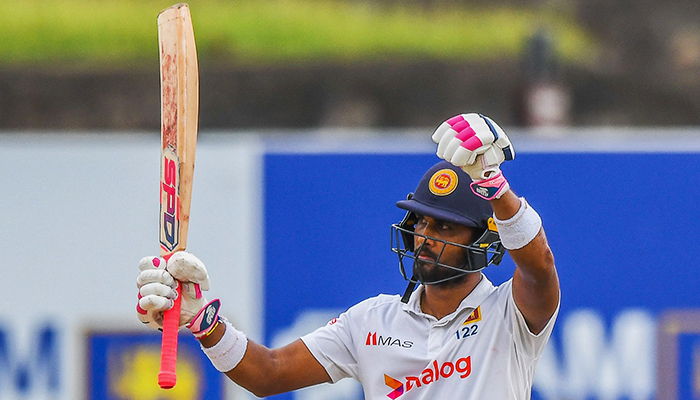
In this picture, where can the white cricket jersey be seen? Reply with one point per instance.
(484, 350)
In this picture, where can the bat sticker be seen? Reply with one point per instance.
(169, 200)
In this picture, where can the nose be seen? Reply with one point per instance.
(421, 241)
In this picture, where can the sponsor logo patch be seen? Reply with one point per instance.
(170, 200)
(378, 340)
(434, 372)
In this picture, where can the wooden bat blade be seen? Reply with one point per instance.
(179, 122)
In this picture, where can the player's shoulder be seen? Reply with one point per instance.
(381, 301)
(501, 293)
(505, 286)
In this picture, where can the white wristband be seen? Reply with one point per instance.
(226, 354)
(519, 230)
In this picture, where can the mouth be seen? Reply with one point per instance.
(427, 256)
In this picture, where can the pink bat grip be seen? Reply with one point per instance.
(168, 348)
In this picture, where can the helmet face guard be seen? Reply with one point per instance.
(444, 193)
(486, 250)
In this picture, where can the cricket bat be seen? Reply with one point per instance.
(179, 98)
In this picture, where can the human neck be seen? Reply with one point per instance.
(442, 300)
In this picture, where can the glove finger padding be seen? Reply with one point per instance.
(156, 292)
(475, 143)
(156, 302)
(458, 155)
(185, 267)
(159, 290)
(475, 133)
(157, 281)
(443, 137)
(151, 262)
(193, 275)
(461, 138)
(156, 276)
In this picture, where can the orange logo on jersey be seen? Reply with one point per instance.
(394, 384)
(443, 182)
(434, 372)
(475, 316)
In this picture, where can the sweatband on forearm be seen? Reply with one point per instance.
(226, 354)
(519, 230)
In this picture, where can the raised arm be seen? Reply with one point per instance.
(478, 145)
(535, 282)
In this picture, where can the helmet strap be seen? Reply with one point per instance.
(409, 290)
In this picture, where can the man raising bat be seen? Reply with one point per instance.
(459, 336)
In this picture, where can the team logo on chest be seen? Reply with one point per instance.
(469, 326)
(475, 316)
(378, 340)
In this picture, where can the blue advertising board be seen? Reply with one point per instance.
(125, 366)
(622, 226)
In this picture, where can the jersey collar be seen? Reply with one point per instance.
(482, 290)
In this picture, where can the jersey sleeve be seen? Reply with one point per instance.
(333, 346)
(526, 341)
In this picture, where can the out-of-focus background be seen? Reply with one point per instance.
(315, 118)
(79, 64)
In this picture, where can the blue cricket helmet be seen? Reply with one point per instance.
(444, 194)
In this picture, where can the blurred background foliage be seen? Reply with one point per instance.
(98, 34)
(93, 64)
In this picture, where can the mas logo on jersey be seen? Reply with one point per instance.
(461, 368)
(475, 316)
(378, 340)
(443, 182)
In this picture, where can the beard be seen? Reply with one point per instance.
(429, 272)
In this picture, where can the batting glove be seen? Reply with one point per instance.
(157, 282)
(478, 145)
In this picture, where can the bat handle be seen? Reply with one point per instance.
(168, 350)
